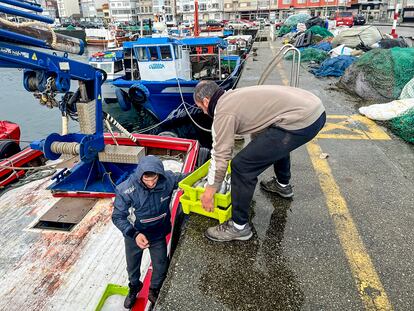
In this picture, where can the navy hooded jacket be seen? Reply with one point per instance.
(138, 209)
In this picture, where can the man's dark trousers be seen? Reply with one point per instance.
(159, 259)
(272, 147)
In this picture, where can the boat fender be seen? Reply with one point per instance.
(123, 99)
(138, 94)
(8, 148)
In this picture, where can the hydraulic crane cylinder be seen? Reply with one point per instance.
(43, 34)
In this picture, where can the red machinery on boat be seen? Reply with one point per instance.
(9, 130)
(11, 155)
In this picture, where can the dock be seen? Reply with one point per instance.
(343, 243)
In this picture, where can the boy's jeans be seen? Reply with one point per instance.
(160, 262)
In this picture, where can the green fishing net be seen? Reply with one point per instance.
(380, 74)
(311, 54)
(321, 31)
(284, 30)
(403, 126)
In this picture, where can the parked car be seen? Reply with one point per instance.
(238, 25)
(359, 19)
(187, 23)
(214, 23)
(263, 21)
(344, 18)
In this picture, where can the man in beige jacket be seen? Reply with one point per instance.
(281, 118)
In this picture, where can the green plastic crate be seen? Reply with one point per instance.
(111, 289)
(191, 198)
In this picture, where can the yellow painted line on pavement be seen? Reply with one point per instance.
(366, 278)
(352, 127)
(367, 281)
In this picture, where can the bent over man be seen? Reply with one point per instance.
(142, 213)
(281, 118)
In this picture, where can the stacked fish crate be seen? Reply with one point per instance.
(194, 185)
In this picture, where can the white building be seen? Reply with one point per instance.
(165, 10)
(145, 9)
(207, 9)
(89, 8)
(123, 10)
(67, 8)
(49, 8)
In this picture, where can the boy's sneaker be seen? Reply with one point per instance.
(153, 295)
(273, 186)
(132, 295)
(226, 232)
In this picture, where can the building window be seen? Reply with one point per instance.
(215, 5)
(304, 1)
(202, 6)
(227, 5)
(286, 1)
(242, 5)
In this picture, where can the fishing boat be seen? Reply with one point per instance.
(161, 73)
(111, 62)
(62, 253)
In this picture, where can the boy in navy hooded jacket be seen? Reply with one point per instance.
(142, 213)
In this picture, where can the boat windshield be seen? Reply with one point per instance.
(154, 53)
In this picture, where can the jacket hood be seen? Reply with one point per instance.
(149, 164)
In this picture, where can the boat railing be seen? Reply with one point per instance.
(295, 69)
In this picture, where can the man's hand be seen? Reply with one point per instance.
(142, 241)
(207, 198)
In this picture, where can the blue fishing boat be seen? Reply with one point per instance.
(161, 73)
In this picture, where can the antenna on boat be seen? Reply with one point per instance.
(196, 25)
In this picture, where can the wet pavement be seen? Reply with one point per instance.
(345, 242)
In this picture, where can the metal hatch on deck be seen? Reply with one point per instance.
(65, 214)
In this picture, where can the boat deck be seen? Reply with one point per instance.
(52, 270)
(44, 269)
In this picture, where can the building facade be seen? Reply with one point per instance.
(123, 10)
(145, 9)
(67, 8)
(248, 9)
(207, 10)
(50, 8)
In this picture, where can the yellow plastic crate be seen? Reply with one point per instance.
(190, 200)
(111, 289)
(195, 207)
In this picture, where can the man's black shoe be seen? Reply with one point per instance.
(132, 295)
(274, 186)
(153, 295)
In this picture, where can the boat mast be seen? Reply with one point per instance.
(196, 25)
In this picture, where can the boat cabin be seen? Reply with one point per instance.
(109, 61)
(156, 59)
(161, 59)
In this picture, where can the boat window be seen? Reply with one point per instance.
(107, 67)
(94, 65)
(153, 52)
(118, 66)
(178, 52)
(165, 52)
(142, 54)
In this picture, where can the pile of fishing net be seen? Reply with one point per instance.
(294, 19)
(380, 74)
(403, 126)
(284, 30)
(320, 31)
(311, 54)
